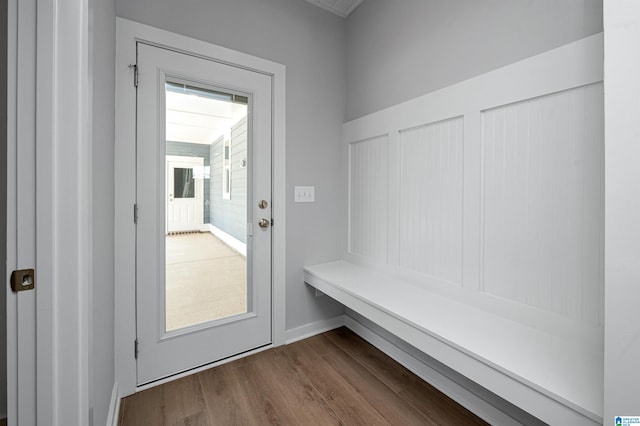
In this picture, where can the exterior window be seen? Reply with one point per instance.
(226, 170)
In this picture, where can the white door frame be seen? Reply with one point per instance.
(49, 138)
(128, 32)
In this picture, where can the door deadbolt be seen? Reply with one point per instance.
(264, 223)
(23, 279)
(263, 204)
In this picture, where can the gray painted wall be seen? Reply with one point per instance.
(230, 215)
(194, 150)
(103, 71)
(398, 50)
(311, 43)
(3, 206)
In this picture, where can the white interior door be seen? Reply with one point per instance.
(185, 196)
(188, 315)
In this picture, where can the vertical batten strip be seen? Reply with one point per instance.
(393, 191)
(472, 186)
(593, 226)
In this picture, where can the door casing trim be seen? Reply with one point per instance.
(128, 33)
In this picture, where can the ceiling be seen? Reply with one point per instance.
(339, 7)
(199, 119)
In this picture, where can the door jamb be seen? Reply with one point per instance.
(128, 33)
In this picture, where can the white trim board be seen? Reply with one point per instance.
(128, 33)
(314, 328)
(113, 415)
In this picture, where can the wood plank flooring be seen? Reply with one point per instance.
(335, 378)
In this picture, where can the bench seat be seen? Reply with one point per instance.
(556, 379)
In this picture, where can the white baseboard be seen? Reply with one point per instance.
(309, 330)
(470, 395)
(114, 407)
(229, 240)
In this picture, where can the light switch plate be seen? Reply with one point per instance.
(304, 194)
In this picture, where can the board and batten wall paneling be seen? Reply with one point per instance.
(430, 207)
(495, 185)
(368, 198)
(543, 202)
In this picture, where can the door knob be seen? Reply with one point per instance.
(264, 223)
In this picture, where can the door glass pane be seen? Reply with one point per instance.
(183, 185)
(206, 205)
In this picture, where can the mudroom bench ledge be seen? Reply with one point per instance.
(556, 379)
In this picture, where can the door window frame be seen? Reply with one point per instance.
(129, 33)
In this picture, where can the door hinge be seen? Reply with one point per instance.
(135, 348)
(135, 74)
(135, 213)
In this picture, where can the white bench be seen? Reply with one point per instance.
(556, 378)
